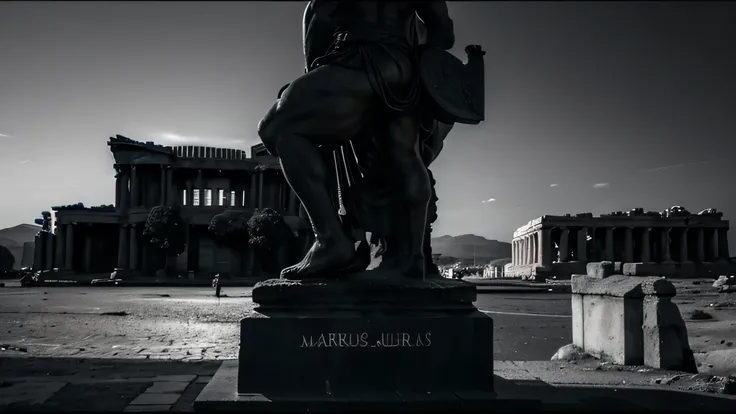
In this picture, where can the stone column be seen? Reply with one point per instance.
(520, 251)
(683, 245)
(88, 249)
(628, 245)
(190, 193)
(118, 191)
(713, 251)
(133, 247)
(513, 252)
(523, 250)
(545, 248)
(564, 251)
(645, 245)
(261, 189)
(125, 192)
(59, 248)
(532, 249)
(700, 244)
(164, 186)
(135, 189)
(69, 260)
(723, 251)
(665, 244)
(171, 191)
(200, 187)
(123, 246)
(609, 252)
(582, 244)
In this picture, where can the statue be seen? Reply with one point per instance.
(356, 134)
(347, 130)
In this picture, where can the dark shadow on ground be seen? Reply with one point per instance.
(104, 385)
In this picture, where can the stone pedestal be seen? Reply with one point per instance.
(371, 342)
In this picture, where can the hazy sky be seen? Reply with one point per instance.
(591, 107)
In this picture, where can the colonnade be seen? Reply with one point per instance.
(627, 244)
(64, 246)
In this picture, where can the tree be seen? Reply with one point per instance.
(270, 234)
(7, 260)
(230, 229)
(165, 229)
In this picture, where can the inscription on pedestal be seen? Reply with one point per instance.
(365, 340)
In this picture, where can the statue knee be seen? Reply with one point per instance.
(269, 134)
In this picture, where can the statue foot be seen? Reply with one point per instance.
(326, 258)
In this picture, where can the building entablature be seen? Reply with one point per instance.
(128, 153)
(708, 218)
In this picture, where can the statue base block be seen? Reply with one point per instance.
(370, 290)
(354, 360)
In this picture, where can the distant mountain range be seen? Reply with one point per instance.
(467, 246)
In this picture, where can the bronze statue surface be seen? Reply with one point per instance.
(357, 132)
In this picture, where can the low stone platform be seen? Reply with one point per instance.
(221, 395)
(374, 341)
(367, 290)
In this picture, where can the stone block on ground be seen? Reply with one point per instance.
(666, 344)
(599, 270)
(607, 315)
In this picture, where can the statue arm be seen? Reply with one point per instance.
(318, 29)
(440, 27)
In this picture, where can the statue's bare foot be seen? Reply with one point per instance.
(326, 258)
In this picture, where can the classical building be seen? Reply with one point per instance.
(202, 181)
(674, 243)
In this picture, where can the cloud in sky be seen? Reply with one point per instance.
(490, 200)
(669, 167)
(5, 136)
(553, 185)
(24, 162)
(194, 140)
(600, 185)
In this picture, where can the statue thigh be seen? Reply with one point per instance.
(328, 106)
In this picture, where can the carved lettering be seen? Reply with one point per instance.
(365, 340)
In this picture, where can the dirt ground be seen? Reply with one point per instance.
(710, 318)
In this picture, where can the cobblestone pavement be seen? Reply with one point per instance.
(190, 324)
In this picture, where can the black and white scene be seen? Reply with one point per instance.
(353, 206)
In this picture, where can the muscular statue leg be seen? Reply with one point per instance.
(402, 133)
(325, 106)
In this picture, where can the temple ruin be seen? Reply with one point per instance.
(202, 181)
(673, 243)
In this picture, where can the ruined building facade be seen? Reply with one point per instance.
(202, 181)
(674, 243)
